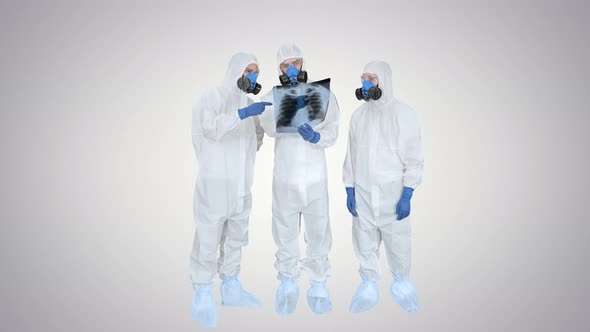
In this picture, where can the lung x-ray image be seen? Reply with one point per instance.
(304, 103)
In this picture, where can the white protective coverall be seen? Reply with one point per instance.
(384, 155)
(300, 188)
(225, 147)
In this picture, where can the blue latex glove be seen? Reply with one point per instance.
(351, 201)
(254, 109)
(308, 133)
(402, 208)
(301, 102)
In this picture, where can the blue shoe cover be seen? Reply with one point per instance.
(365, 297)
(287, 296)
(318, 298)
(404, 293)
(204, 308)
(233, 295)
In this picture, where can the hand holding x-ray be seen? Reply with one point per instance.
(301, 104)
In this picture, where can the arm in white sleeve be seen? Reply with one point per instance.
(215, 121)
(259, 133)
(197, 139)
(410, 147)
(196, 130)
(215, 126)
(348, 168)
(328, 129)
(258, 127)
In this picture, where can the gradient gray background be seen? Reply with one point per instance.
(98, 169)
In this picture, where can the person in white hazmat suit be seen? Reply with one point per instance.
(383, 166)
(226, 134)
(300, 190)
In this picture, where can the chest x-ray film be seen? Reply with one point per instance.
(304, 103)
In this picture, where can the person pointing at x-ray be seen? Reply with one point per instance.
(226, 135)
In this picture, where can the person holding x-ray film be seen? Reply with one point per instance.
(300, 190)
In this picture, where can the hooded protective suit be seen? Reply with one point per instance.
(384, 155)
(225, 147)
(300, 188)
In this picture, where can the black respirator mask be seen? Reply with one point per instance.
(248, 83)
(293, 76)
(368, 91)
